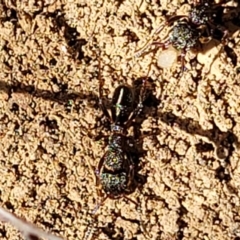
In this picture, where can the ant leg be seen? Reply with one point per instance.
(139, 107)
(142, 226)
(163, 45)
(158, 44)
(183, 54)
(222, 29)
(143, 49)
(196, 2)
(99, 205)
(100, 90)
(100, 164)
(101, 102)
(225, 36)
(174, 18)
(170, 21)
(145, 233)
(91, 229)
(141, 99)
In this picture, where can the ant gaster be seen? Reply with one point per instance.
(116, 174)
(188, 32)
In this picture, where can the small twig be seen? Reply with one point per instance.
(29, 230)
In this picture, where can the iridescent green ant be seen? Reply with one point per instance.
(116, 174)
(188, 32)
(116, 171)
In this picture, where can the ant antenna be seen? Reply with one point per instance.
(91, 229)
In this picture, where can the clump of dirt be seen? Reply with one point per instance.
(49, 117)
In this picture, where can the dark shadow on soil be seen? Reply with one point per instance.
(225, 142)
(61, 97)
(71, 35)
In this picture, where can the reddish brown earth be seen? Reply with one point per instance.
(49, 65)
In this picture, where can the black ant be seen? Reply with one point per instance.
(116, 174)
(116, 171)
(190, 31)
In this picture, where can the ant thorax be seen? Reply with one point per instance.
(116, 140)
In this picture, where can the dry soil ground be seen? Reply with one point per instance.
(49, 65)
